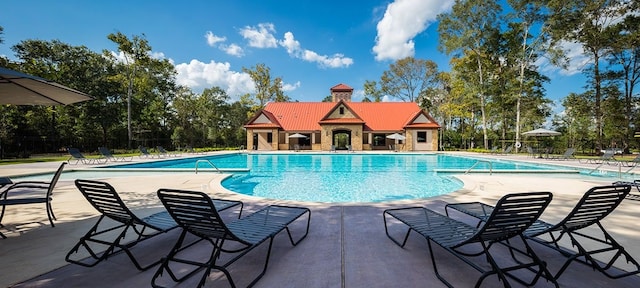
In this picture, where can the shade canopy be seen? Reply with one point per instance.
(297, 135)
(396, 136)
(18, 88)
(541, 132)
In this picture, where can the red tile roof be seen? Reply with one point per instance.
(377, 116)
(341, 87)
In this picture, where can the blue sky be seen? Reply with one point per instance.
(312, 45)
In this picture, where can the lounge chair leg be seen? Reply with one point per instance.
(435, 266)
(386, 230)
(50, 214)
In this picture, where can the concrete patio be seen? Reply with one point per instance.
(346, 245)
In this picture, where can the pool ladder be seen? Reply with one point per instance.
(478, 162)
(206, 161)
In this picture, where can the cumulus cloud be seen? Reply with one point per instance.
(260, 36)
(120, 56)
(290, 87)
(402, 21)
(217, 41)
(575, 55)
(295, 50)
(213, 40)
(123, 58)
(233, 50)
(292, 45)
(199, 75)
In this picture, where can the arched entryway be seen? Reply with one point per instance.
(341, 139)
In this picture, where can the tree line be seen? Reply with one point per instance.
(136, 102)
(493, 91)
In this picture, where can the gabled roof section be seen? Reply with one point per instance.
(298, 116)
(386, 116)
(263, 119)
(341, 87)
(375, 116)
(422, 120)
(349, 116)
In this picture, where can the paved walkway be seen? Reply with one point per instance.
(346, 246)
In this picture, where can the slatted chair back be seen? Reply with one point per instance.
(195, 212)
(595, 205)
(104, 198)
(513, 214)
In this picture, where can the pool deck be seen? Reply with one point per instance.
(346, 245)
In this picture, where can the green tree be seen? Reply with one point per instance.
(276, 90)
(588, 23)
(470, 26)
(186, 130)
(136, 54)
(78, 68)
(407, 79)
(266, 89)
(523, 18)
(212, 105)
(371, 91)
(576, 122)
(625, 58)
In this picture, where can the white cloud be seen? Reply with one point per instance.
(233, 50)
(212, 39)
(199, 75)
(261, 36)
(292, 45)
(290, 87)
(121, 57)
(295, 50)
(402, 21)
(574, 53)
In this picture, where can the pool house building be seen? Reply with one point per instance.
(342, 125)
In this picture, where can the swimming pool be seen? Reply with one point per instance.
(333, 177)
(343, 177)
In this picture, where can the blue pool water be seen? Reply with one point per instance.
(342, 177)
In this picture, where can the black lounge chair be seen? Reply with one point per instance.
(163, 152)
(568, 154)
(595, 205)
(106, 154)
(607, 158)
(146, 154)
(111, 239)
(196, 214)
(513, 215)
(634, 183)
(78, 157)
(30, 192)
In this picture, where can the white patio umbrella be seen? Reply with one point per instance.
(297, 135)
(541, 132)
(396, 137)
(18, 88)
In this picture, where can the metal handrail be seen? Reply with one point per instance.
(620, 173)
(206, 161)
(596, 169)
(478, 162)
